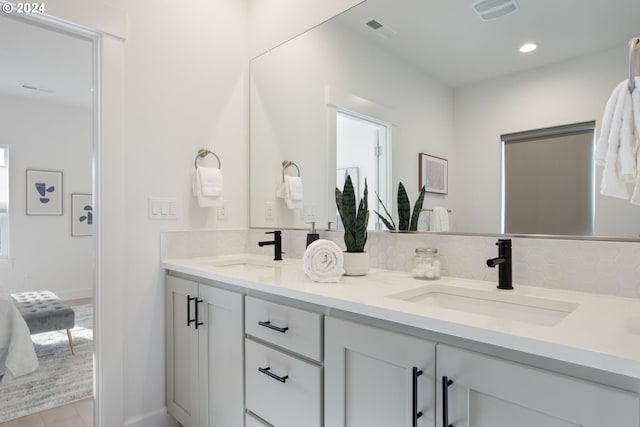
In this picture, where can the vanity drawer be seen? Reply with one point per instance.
(299, 331)
(291, 396)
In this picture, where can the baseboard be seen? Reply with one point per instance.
(157, 418)
(75, 294)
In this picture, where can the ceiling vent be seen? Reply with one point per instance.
(379, 28)
(491, 9)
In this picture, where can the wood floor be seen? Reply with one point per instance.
(74, 414)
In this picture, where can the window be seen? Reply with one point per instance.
(549, 171)
(4, 201)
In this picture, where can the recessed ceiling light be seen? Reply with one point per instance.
(528, 47)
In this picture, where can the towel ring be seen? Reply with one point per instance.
(204, 153)
(633, 45)
(286, 164)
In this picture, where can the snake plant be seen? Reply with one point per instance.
(354, 221)
(405, 222)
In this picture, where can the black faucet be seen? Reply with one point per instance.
(276, 242)
(503, 261)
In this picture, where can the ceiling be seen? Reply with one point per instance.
(445, 38)
(450, 42)
(58, 65)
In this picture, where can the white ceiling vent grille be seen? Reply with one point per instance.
(491, 9)
(379, 28)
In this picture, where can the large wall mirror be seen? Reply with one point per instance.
(443, 79)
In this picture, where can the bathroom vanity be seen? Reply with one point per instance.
(253, 342)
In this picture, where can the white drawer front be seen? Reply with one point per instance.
(296, 330)
(293, 403)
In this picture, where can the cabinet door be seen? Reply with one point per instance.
(221, 341)
(181, 352)
(369, 377)
(490, 392)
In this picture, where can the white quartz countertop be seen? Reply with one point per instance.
(600, 332)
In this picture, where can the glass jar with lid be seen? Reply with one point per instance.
(426, 264)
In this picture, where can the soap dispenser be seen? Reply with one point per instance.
(313, 236)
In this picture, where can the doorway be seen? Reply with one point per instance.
(362, 152)
(48, 98)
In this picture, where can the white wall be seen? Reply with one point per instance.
(186, 80)
(43, 253)
(570, 92)
(289, 114)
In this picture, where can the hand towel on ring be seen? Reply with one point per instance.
(322, 261)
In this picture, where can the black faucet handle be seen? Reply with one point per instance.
(504, 242)
(275, 232)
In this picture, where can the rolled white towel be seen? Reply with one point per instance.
(322, 261)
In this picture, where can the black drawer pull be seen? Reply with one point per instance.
(267, 371)
(414, 390)
(189, 319)
(446, 382)
(198, 301)
(275, 328)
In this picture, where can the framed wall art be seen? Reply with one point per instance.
(433, 174)
(81, 215)
(44, 192)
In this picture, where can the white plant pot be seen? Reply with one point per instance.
(356, 263)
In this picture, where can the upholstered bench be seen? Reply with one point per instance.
(44, 312)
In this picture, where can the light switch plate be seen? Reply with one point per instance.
(163, 208)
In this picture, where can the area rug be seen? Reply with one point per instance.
(61, 377)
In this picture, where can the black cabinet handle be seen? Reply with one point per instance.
(275, 328)
(414, 390)
(267, 371)
(189, 319)
(198, 301)
(446, 382)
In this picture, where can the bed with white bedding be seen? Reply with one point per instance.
(17, 354)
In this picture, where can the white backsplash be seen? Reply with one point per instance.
(611, 268)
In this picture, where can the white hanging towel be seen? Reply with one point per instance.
(207, 186)
(322, 261)
(291, 191)
(635, 98)
(613, 183)
(439, 219)
(605, 127)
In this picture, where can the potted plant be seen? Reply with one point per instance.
(405, 222)
(356, 260)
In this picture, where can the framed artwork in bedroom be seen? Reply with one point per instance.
(81, 214)
(44, 192)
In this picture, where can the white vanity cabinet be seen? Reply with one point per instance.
(490, 392)
(283, 364)
(377, 378)
(204, 350)
(370, 381)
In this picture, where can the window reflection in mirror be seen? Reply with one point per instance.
(548, 182)
(362, 152)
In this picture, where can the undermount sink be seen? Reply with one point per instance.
(244, 263)
(495, 304)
